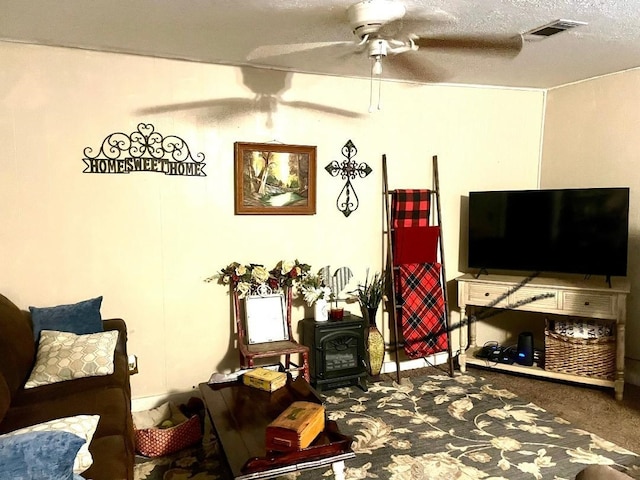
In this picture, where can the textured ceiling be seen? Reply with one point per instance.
(230, 31)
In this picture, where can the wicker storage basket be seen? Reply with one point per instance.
(594, 357)
(154, 441)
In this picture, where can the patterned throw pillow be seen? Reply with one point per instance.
(84, 426)
(64, 356)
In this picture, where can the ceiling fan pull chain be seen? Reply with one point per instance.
(371, 92)
(372, 87)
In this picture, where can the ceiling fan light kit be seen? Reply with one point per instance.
(378, 48)
(377, 51)
(377, 66)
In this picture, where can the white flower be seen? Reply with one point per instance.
(310, 295)
(260, 274)
(313, 294)
(287, 266)
(242, 289)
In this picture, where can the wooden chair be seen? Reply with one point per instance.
(252, 347)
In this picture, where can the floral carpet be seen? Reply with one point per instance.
(431, 427)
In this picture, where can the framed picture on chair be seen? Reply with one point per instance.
(265, 318)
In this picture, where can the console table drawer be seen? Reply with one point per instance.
(527, 298)
(478, 294)
(588, 304)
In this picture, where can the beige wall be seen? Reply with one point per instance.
(146, 241)
(591, 140)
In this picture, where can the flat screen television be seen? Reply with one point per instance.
(580, 231)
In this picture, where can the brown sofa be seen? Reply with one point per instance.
(601, 472)
(112, 446)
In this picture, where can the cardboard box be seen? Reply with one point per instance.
(264, 379)
(295, 428)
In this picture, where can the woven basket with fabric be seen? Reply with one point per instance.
(593, 357)
(154, 441)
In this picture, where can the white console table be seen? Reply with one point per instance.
(592, 298)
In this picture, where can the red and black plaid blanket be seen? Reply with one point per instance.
(410, 208)
(423, 320)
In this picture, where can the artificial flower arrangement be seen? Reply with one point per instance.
(247, 278)
(314, 288)
(372, 292)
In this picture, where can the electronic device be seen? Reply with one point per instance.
(488, 350)
(504, 355)
(538, 357)
(524, 353)
(582, 231)
(493, 352)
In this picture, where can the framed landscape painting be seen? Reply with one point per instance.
(275, 179)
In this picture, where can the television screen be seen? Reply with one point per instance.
(583, 231)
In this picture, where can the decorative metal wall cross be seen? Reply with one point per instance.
(348, 169)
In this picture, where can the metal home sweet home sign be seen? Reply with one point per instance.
(144, 150)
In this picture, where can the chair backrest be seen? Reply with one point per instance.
(263, 318)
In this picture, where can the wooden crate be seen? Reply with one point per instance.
(295, 428)
(264, 379)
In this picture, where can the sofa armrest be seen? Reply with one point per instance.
(119, 325)
(601, 472)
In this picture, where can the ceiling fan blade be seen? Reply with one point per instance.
(267, 51)
(415, 21)
(391, 29)
(418, 21)
(500, 45)
(409, 66)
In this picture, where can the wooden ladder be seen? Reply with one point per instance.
(390, 275)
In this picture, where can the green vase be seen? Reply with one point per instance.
(374, 344)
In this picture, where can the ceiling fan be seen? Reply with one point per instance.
(379, 27)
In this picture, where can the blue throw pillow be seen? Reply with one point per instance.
(79, 318)
(39, 455)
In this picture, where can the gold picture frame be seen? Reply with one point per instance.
(275, 179)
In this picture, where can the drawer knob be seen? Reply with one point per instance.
(586, 304)
(486, 294)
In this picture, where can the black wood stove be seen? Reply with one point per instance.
(337, 354)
